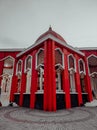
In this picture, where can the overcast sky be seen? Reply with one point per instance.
(23, 21)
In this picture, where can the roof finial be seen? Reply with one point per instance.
(50, 28)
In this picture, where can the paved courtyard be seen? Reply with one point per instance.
(16, 118)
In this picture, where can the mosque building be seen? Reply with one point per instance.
(49, 75)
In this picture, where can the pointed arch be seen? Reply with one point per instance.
(81, 66)
(92, 64)
(71, 62)
(40, 58)
(8, 67)
(19, 67)
(28, 63)
(59, 57)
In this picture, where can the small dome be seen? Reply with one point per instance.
(50, 31)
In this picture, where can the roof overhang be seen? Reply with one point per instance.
(87, 48)
(50, 36)
(12, 50)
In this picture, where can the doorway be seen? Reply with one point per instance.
(6, 80)
(5, 89)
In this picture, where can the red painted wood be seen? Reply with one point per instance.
(14, 84)
(66, 83)
(23, 84)
(49, 76)
(88, 82)
(1, 70)
(13, 88)
(34, 81)
(1, 66)
(78, 85)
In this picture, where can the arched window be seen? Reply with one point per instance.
(81, 66)
(92, 63)
(40, 58)
(82, 75)
(28, 63)
(58, 56)
(8, 65)
(40, 68)
(28, 66)
(72, 69)
(71, 61)
(19, 67)
(59, 65)
(19, 73)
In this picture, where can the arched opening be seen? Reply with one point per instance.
(92, 63)
(82, 75)
(72, 69)
(59, 65)
(28, 69)
(40, 68)
(19, 74)
(7, 80)
(82, 82)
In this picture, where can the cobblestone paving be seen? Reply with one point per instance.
(16, 118)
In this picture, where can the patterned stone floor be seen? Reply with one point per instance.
(16, 118)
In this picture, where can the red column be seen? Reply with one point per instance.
(88, 82)
(23, 83)
(49, 76)
(1, 70)
(1, 66)
(13, 84)
(33, 81)
(66, 83)
(77, 81)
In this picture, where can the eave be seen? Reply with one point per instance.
(49, 36)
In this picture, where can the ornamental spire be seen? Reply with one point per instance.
(50, 28)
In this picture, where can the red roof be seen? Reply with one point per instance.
(50, 31)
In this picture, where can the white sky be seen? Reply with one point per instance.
(23, 21)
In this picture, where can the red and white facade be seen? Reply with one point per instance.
(48, 75)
